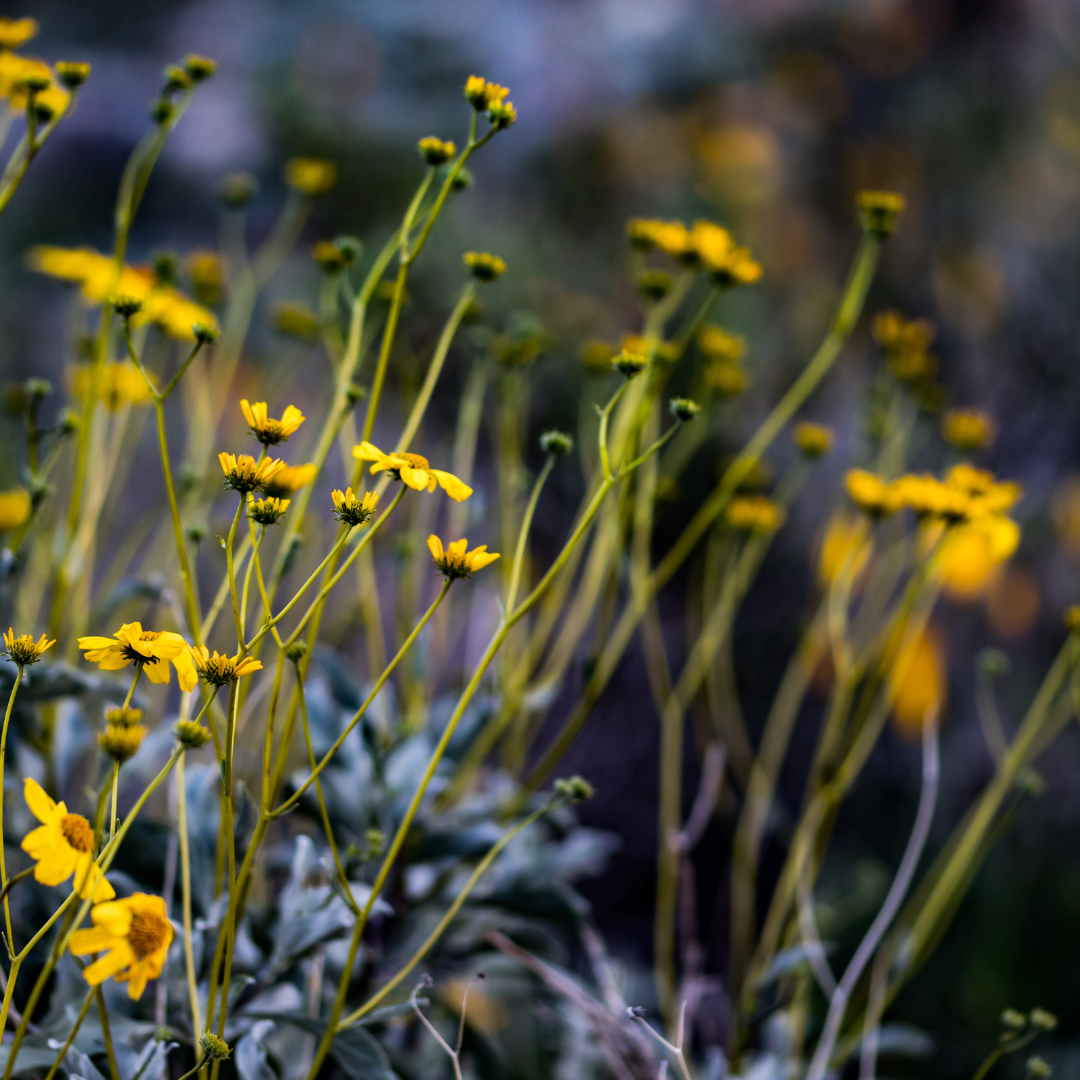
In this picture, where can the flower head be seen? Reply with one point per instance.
(268, 511)
(917, 681)
(871, 494)
(720, 346)
(968, 430)
(244, 474)
(265, 428)
(16, 32)
(906, 343)
(454, 561)
(436, 151)
(125, 717)
(310, 176)
(484, 266)
(728, 380)
(118, 384)
(713, 249)
(413, 470)
(190, 734)
(683, 409)
(153, 649)
(63, 845)
(134, 933)
(671, 237)
(813, 440)
(24, 650)
(501, 114)
(290, 480)
(213, 1047)
(221, 670)
(351, 510)
(482, 94)
(556, 442)
(971, 555)
(72, 73)
(629, 364)
(878, 211)
(754, 513)
(122, 741)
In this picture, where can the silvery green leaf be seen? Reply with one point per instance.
(250, 1053)
(905, 1040)
(354, 1049)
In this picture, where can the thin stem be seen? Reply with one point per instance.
(230, 569)
(3, 759)
(523, 534)
(185, 888)
(106, 1033)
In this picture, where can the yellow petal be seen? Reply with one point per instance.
(157, 671)
(435, 547)
(457, 489)
(93, 939)
(41, 806)
(417, 479)
(109, 964)
(367, 452)
(57, 867)
(186, 675)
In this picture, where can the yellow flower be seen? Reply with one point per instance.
(134, 933)
(754, 513)
(24, 650)
(870, 493)
(118, 384)
(917, 682)
(268, 511)
(712, 248)
(720, 346)
(296, 320)
(728, 380)
(929, 497)
(968, 430)
(813, 440)
(905, 343)
(16, 32)
(222, 670)
(878, 211)
(207, 276)
(454, 561)
(351, 510)
(14, 70)
(310, 176)
(413, 470)
(122, 741)
(162, 305)
(244, 474)
(482, 94)
(844, 539)
(973, 552)
(153, 649)
(435, 151)
(63, 845)
(985, 494)
(670, 237)
(484, 266)
(290, 480)
(14, 508)
(268, 431)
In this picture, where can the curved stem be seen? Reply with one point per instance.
(523, 534)
(3, 759)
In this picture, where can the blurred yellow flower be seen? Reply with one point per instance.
(968, 430)
(844, 539)
(813, 440)
(671, 237)
(118, 385)
(310, 176)
(15, 70)
(717, 344)
(754, 513)
(906, 344)
(151, 649)
(917, 681)
(289, 480)
(207, 276)
(712, 248)
(267, 430)
(62, 845)
(455, 561)
(16, 32)
(413, 470)
(14, 508)
(972, 554)
(878, 211)
(162, 305)
(870, 493)
(135, 935)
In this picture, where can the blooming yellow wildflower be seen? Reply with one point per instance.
(484, 266)
(24, 650)
(15, 74)
(63, 845)
(844, 540)
(713, 249)
(482, 94)
(290, 480)
(972, 554)
(813, 440)
(16, 32)
(754, 513)
(720, 346)
(14, 508)
(928, 497)
(267, 430)
(870, 493)
(968, 430)
(162, 305)
(351, 510)
(917, 682)
(671, 237)
(118, 385)
(454, 561)
(152, 649)
(310, 176)
(222, 670)
(435, 151)
(268, 511)
(122, 741)
(413, 470)
(986, 495)
(134, 933)
(244, 474)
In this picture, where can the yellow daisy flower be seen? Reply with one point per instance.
(153, 649)
(135, 935)
(24, 650)
(222, 670)
(413, 470)
(454, 561)
(62, 845)
(244, 474)
(267, 430)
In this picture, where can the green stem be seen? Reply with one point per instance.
(523, 534)
(106, 1033)
(3, 760)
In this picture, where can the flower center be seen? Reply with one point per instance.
(77, 832)
(147, 934)
(150, 635)
(415, 460)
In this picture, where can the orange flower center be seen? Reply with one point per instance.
(150, 635)
(77, 832)
(147, 934)
(415, 460)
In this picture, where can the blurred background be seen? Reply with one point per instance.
(767, 116)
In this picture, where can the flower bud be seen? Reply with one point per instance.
(199, 68)
(296, 651)
(126, 306)
(484, 266)
(878, 211)
(213, 1046)
(120, 742)
(684, 409)
(575, 788)
(191, 735)
(237, 190)
(72, 73)
(813, 440)
(436, 151)
(556, 442)
(630, 364)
